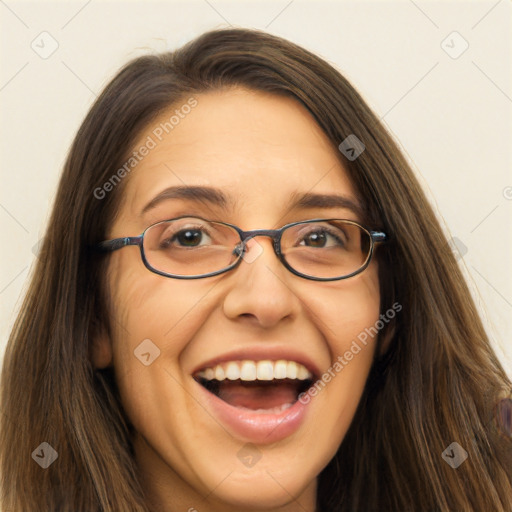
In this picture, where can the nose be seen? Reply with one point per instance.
(261, 291)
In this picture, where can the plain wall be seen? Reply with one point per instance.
(451, 113)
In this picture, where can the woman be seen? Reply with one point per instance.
(245, 302)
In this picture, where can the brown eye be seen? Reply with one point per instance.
(188, 238)
(322, 238)
(315, 239)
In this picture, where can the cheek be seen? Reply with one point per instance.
(345, 309)
(153, 319)
(346, 315)
(148, 306)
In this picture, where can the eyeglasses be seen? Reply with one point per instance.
(193, 248)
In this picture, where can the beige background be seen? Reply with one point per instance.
(452, 116)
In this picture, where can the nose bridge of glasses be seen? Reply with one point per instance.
(274, 234)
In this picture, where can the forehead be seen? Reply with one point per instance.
(257, 147)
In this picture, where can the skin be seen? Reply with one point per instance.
(259, 149)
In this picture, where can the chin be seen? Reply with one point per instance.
(262, 489)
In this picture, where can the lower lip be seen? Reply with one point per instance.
(256, 427)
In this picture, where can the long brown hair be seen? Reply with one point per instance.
(437, 383)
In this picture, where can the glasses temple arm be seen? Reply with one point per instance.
(118, 243)
(378, 236)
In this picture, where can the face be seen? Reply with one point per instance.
(237, 444)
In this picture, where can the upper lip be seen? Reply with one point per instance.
(262, 353)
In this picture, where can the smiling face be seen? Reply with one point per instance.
(199, 442)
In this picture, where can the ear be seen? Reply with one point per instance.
(101, 353)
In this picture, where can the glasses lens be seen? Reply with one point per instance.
(326, 249)
(190, 246)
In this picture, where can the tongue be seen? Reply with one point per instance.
(262, 396)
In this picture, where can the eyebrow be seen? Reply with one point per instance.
(311, 200)
(195, 193)
(215, 196)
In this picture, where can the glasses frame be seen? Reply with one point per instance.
(115, 244)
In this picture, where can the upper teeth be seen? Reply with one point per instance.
(256, 370)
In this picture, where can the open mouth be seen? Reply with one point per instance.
(258, 386)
